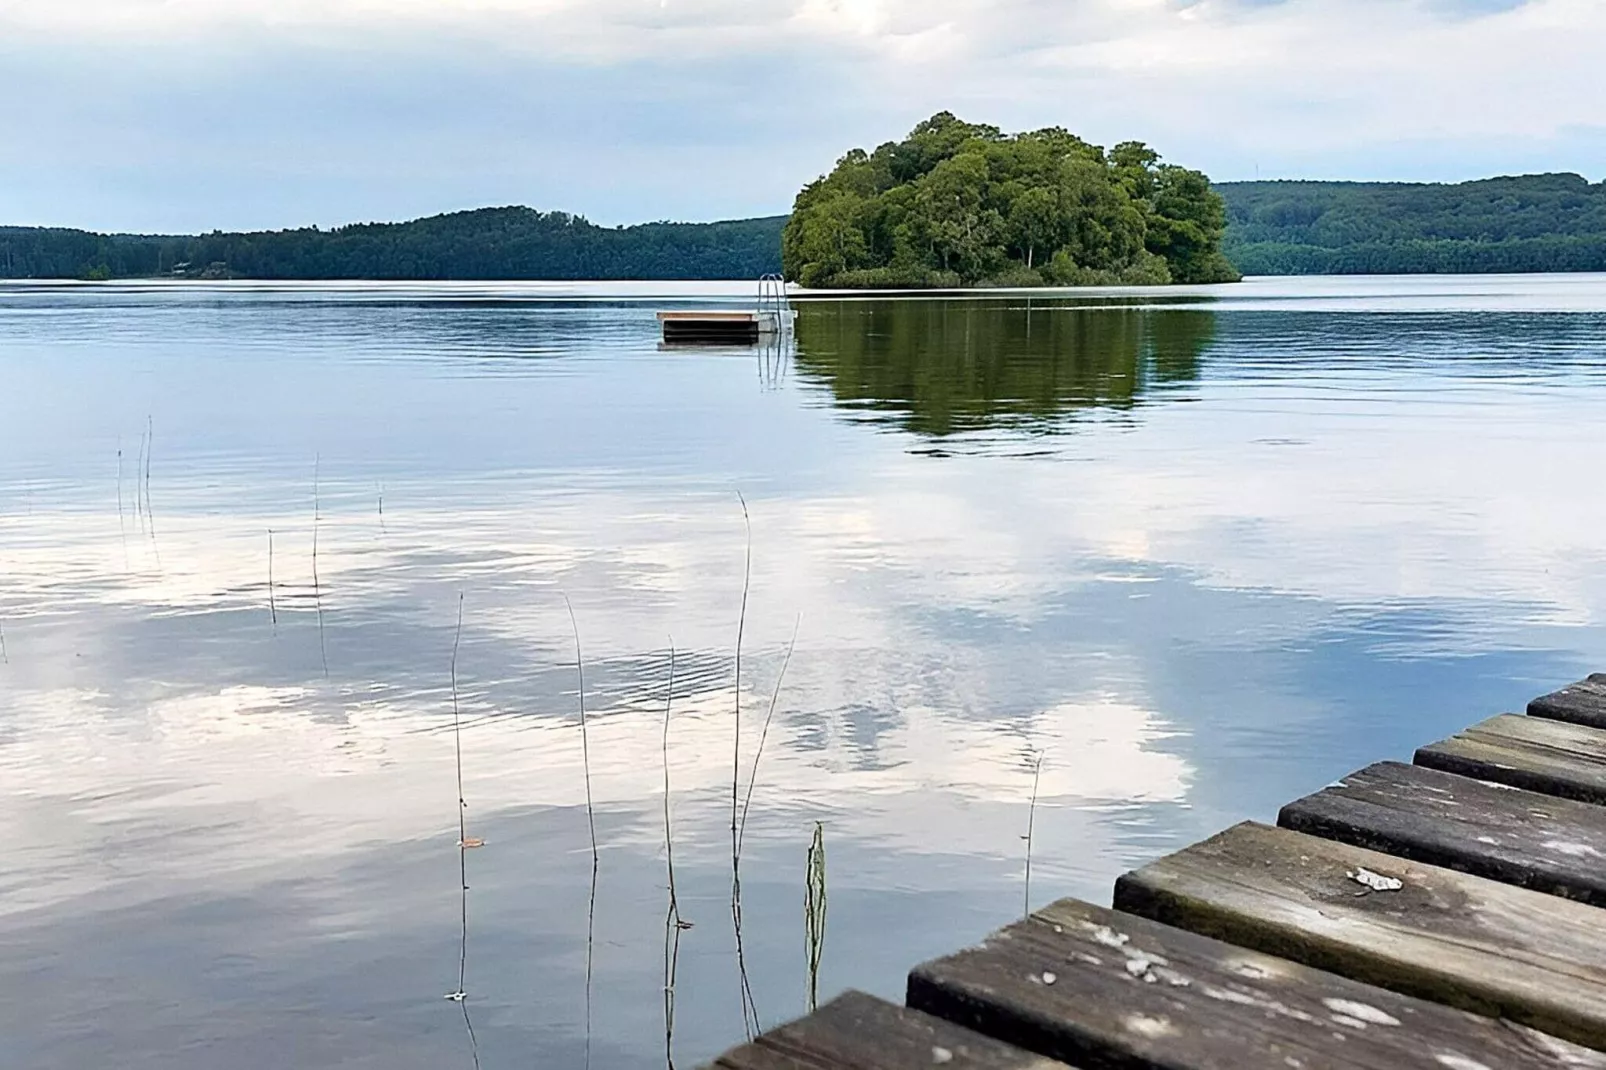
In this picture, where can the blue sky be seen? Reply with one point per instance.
(183, 115)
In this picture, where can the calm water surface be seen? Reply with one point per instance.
(1202, 550)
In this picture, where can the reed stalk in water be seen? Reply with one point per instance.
(814, 913)
(764, 733)
(674, 924)
(591, 819)
(150, 441)
(273, 606)
(749, 1009)
(122, 527)
(464, 843)
(139, 497)
(317, 588)
(1031, 818)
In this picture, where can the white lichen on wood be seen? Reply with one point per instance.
(1376, 882)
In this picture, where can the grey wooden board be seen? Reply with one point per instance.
(1550, 757)
(1457, 939)
(1581, 703)
(1105, 989)
(1551, 845)
(859, 1032)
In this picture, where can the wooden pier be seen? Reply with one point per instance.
(1447, 914)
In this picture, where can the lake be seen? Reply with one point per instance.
(1196, 552)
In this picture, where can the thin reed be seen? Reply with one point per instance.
(150, 440)
(814, 913)
(591, 819)
(273, 606)
(764, 733)
(749, 1010)
(1031, 820)
(674, 925)
(317, 588)
(150, 515)
(122, 527)
(139, 493)
(460, 996)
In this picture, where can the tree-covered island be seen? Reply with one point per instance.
(962, 204)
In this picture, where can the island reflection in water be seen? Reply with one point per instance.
(940, 367)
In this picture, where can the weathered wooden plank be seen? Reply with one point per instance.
(1581, 703)
(1556, 846)
(859, 1032)
(1102, 988)
(1550, 757)
(1450, 937)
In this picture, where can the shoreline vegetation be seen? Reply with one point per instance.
(1526, 223)
(959, 204)
(505, 244)
(1519, 223)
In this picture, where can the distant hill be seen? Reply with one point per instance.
(490, 243)
(1526, 223)
(1554, 222)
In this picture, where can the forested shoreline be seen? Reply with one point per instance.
(1518, 224)
(488, 243)
(1551, 222)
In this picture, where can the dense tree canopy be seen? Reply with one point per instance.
(1518, 223)
(491, 243)
(960, 204)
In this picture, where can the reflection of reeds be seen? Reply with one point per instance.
(150, 516)
(150, 440)
(591, 820)
(1031, 819)
(814, 913)
(139, 495)
(139, 487)
(749, 1010)
(463, 845)
(317, 588)
(122, 529)
(764, 734)
(673, 924)
(5, 658)
(273, 606)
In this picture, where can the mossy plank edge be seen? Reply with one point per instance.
(1555, 846)
(1549, 757)
(859, 1032)
(1102, 988)
(1581, 703)
(1456, 939)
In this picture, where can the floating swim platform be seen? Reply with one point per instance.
(721, 326)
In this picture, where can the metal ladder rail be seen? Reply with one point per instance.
(772, 298)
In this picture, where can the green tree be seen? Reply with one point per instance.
(963, 229)
(1036, 221)
(825, 241)
(956, 202)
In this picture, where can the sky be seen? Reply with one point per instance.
(189, 115)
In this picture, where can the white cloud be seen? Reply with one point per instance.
(286, 111)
